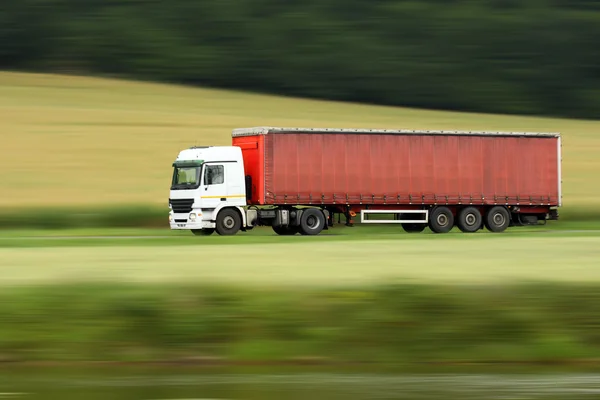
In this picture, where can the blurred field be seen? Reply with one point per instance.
(392, 324)
(85, 141)
(330, 262)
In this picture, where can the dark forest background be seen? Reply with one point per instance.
(506, 56)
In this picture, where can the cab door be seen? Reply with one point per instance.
(236, 184)
(213, 190)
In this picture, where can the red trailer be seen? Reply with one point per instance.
(415, 178)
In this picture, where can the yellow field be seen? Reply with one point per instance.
(72, 140)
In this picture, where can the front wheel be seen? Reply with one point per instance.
(229, 222)
(203, 232)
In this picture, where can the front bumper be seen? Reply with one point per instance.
(182, 221)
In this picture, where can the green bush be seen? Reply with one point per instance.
(395, 324)
(507, 56)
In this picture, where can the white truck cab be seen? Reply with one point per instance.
(208, 182)
(209, 192)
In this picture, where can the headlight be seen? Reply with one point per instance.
(170, 218)
(192, 217)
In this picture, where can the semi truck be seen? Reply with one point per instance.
(298, 180)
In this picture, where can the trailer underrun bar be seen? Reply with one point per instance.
(396, 213)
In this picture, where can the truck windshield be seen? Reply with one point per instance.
(186, 178)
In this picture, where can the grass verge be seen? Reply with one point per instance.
(394, 324)
(126, 216)
(148, 216)
(298, 261)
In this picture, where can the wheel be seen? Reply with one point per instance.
(469, 220)
(497, 219)
(441, 220)
(229, 222)
(285, 230)
(312, 221)
(413, 227)
(203, 232)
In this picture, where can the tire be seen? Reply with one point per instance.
(312, 221)
(469, 220)
(441, 220)
(497, 219)
(285, 230)
(229, 222)
(413, 227)
(203, 232)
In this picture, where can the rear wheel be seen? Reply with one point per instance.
(285, 230)
(441, 220)
(312, 221)
(469, 220)
(497, 219)
(203, 232)
(229, 222)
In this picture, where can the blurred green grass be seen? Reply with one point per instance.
(77, 217)
(155, 217)
(75, 141)
(268, 260)
(390, 324)
(126, 236)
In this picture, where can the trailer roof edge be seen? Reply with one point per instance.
(265, 130)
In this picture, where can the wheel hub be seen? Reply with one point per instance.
(228, 222)
(498, 219)
(312, 222)
(470, 219)
(442, 219)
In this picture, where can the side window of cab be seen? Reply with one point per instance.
(214, 175)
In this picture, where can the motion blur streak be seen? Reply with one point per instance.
(97, 99)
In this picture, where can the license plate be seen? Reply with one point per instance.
(181, 225)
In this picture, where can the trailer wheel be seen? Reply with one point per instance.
(312, 221)
(229, 222)
(497, 219)
(285, 230)
(469, 220)
(203, 232)
(441, 220)
(413, 227)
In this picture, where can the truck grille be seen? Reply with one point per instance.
(181, 205)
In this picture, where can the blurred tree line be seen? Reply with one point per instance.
(508, 56)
